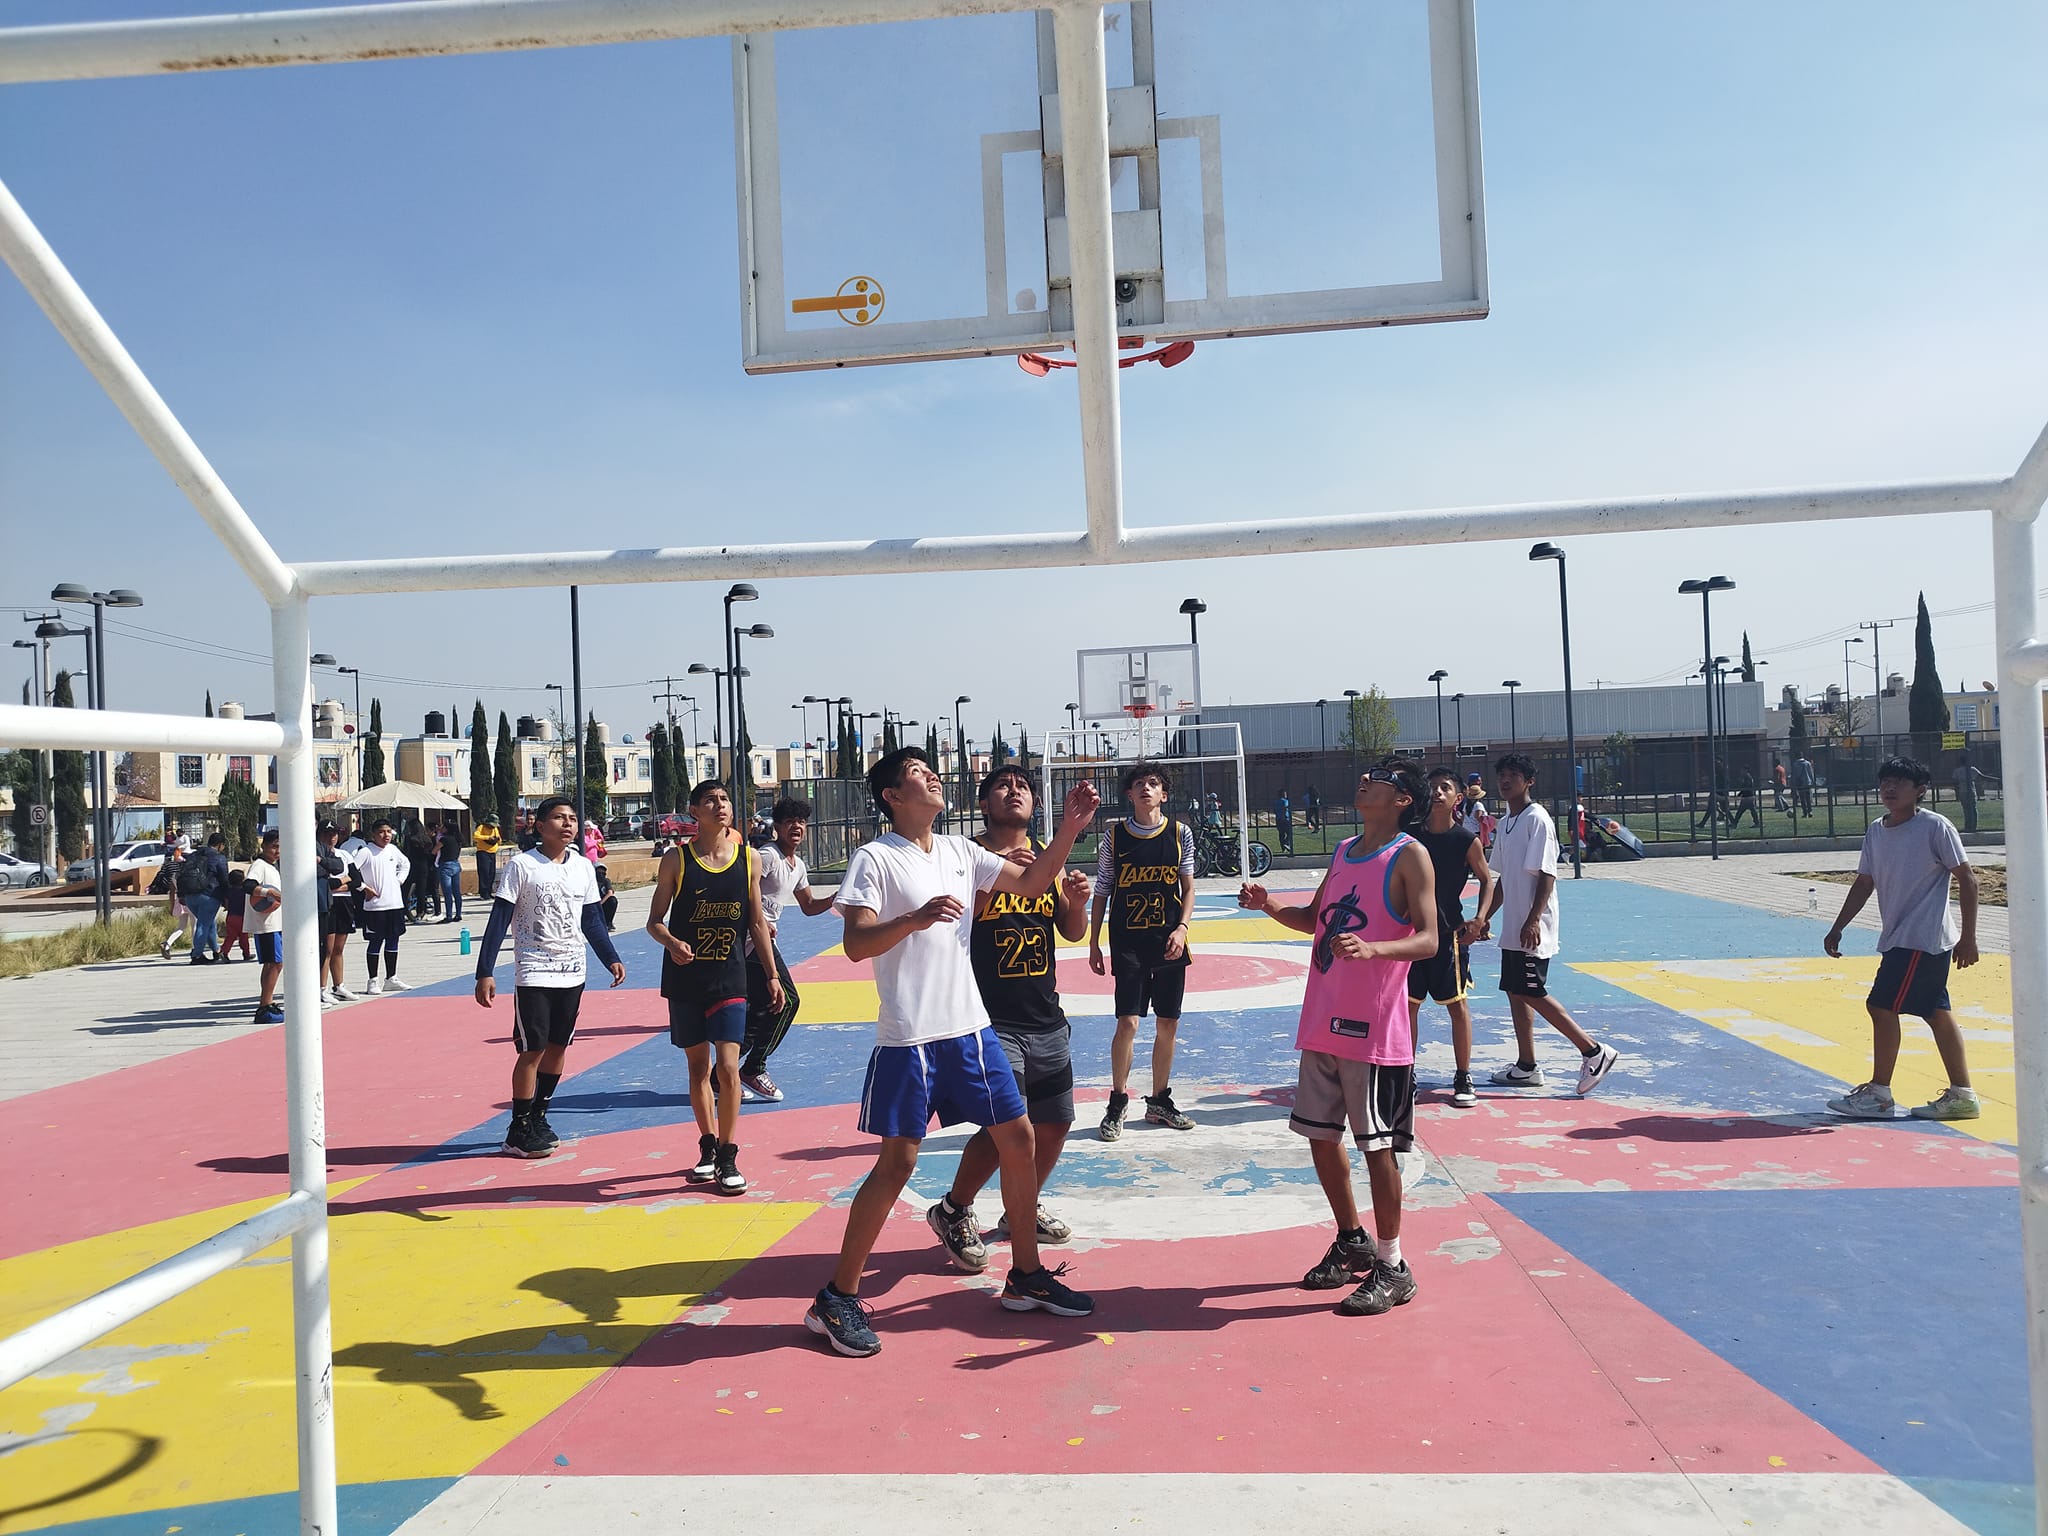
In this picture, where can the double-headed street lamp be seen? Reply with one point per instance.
(1438, 677)
(1706, 587)
(1511, 684)
(738, 592)
(1548, 551)
(561, 753)
(102, 813)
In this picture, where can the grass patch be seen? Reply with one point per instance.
(129, 934)
(1990, 881)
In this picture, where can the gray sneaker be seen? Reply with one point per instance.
(1462, 1096)
(961, 1235)
(1954, 1104)
(1112, 1127)
(1161, 1110)
(1868, 1102)
(1050, 1228)
(1513, 1076)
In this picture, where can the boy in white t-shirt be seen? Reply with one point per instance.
(1525, 859)
(547, 901)
(905, 900)
(264, 922)
(1908, 859)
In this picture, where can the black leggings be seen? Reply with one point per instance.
(765, 1026)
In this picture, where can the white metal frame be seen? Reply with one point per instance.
(2013, 505)
(1077, 740)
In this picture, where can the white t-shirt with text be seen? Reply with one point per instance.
(547, 916)
(262, 873)
(1525, 848)
(926, 981)
(1910, 865)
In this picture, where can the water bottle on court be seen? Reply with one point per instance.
(465, 942)
(1812, 905)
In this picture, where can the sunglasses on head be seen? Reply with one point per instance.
(1383, 776)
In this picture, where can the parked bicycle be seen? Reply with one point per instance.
(1216, 853)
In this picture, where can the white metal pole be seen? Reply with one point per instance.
(1084, 163)
(51, 286)
(312, 1316)
(2025, 779)
(120, 730)
(423, 29)
(1244, 808)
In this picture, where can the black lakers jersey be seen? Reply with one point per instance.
(1144, 905)
(1012, 950)
(709, 914)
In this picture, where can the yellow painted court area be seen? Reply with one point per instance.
(1811, 1010)
(454, 1332)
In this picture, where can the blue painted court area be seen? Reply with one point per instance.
(1778, 1282)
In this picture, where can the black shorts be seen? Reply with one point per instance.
(339, 920)
(1523, 974)
(698, 1019)
(269, 948)
(544, 1016)
(1044, 1063)
(384, 927)
(1155, 989)
(1911, 981)
(1445, 976)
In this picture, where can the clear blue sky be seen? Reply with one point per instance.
(490, 303)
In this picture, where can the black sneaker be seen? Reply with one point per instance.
(726, 1170)
(1387, 1287)
(1112, 1126)
(523, 1140)
(1045, 1292)
(845, 1322)
(547, 1132)
(1462, 1096)
(1161, 1110)
(961, 1235)
(1342, 1265)
(707, 1158)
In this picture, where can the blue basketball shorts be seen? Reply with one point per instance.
(967, 1080)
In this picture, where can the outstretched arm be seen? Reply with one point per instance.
(1036, 878)
(869, 934)
(1302, 919)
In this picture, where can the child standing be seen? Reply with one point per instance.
(1908, 860)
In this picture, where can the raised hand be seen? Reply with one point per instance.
(940, 909)
(1252, 896)
(1082, 801)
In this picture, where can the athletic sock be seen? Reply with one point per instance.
(521, 1108)
(547, 1082)
(1525, 1066)
(1591, 1051)
(1390, 1251)
(1351, 1235)
(951, 1211)
(834, 1290)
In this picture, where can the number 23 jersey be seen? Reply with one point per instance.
(710, 914)
(1013, 948)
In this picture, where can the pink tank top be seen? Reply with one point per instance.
(1358, 1009)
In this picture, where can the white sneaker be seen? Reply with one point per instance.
(376, 986)
(1954, 1104)
(1512, 1076)
(1595, 1067)
(1869, 1102)
(393, 984)
(343, 995)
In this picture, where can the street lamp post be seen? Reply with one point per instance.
(1706, 587)
(717, 676)
(960, 746)
(48, 628)
(562, 761)
(1458, 708)
(738, 592)
(743, 800)
(1193, 607)
(1548, 551)
(357, 674)
(1511, 684)
(1437, 677)
(102, 813)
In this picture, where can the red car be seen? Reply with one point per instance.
(668, 826)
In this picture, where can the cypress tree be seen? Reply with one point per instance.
(483, 791)
(373, 748)
(1926, 706)
(596, 781)
(1748, 662)
(664, 767)
(505, 776)
(209, 703)
(69, 777)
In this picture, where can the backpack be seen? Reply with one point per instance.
(193, 876)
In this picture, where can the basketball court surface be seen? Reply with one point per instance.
(1695, 1303)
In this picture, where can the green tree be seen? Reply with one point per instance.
(1748, 661)
(69, 776)
(998, 749)
(241, 812)
(1023, 746)
(889, 742)
(373, 747)
(505, 775)
(209, 703)
(1620, 764)
(21, 772)
(663, 766)
(483, 788)
(931, 748)
(596, 781)
(1926, 706)
(850, 766)
(1371, 727)
(1799, 732)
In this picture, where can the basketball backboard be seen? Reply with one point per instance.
(1139, 683)
(1312, 166)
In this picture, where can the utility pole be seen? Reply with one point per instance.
(1877, 667)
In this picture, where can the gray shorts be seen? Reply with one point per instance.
(1377, 1101)
(1044, 1063)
